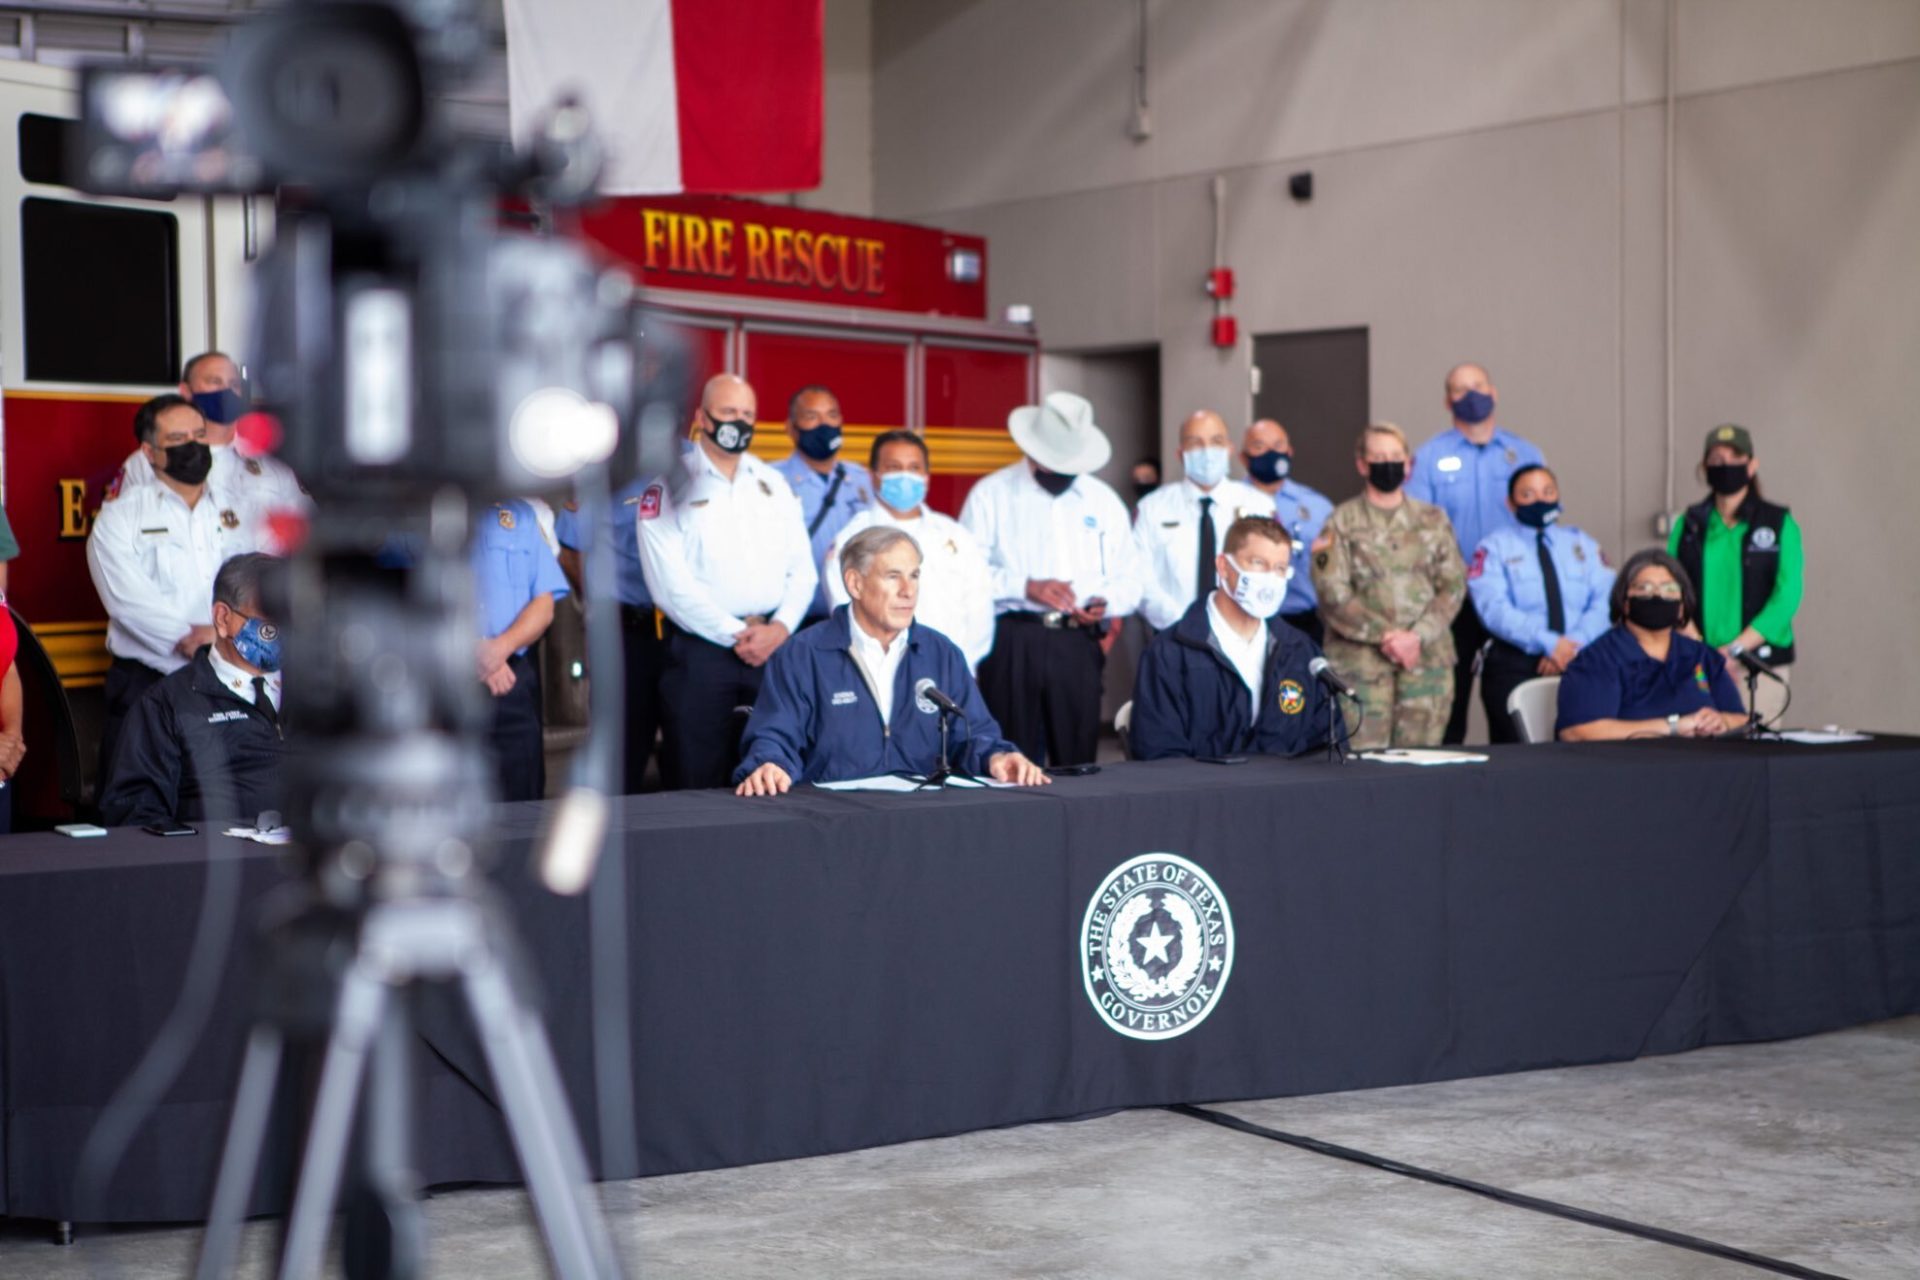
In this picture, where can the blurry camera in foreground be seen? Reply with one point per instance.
(404, 339)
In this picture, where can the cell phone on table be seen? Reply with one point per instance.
(169, 829)
(1071, 770)
(1222, 759)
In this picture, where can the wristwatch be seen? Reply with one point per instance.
(1673, 724)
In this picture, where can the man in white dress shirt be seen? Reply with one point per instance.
(153, 552)
(264, 484)
(1064, 563)
(956, 588)
(1181, 527)
(727, 560)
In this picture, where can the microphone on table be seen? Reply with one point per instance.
(1333, 680)
(1753, 663)
(927, 691)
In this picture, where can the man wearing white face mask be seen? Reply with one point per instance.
(1179, 526)
(1222, 681)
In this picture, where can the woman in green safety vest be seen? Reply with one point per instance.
(1744, 556)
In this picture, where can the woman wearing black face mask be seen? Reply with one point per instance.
(1646, 677)
(1744, 554)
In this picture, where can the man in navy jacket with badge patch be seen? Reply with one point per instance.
(850, 698)
(1222, 681)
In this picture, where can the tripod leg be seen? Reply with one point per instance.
(363, 1002)
(541, 1127)
(385, 1236)
(240, 1156)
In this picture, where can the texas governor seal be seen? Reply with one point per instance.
(1156, 947)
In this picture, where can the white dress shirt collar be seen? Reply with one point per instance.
(1248, 656)
(879, 664)
(239, 681)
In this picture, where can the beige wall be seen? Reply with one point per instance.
(1490, 184)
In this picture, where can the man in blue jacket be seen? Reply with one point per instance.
(1222, 681)
(851, 698)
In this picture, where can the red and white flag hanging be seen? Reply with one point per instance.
(688, 95)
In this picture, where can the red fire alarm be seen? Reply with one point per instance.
(1220, 282)
(1226, 331)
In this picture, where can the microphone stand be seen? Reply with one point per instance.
(940, 776)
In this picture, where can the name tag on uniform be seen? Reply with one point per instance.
(1448, 463)
(156, 531)
(1164, 524)
(845, 698)
(225, 717)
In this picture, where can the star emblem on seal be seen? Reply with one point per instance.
(1156, 947)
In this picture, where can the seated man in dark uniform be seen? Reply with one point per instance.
(208, 740)
(1221, 681)
(850, 698)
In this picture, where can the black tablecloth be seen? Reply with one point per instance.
(826, 971)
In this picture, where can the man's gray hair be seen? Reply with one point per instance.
(868, 544)
(237, 584)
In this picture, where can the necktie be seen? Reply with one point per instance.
(1556, 611)
(262, 700)
(1203, 574)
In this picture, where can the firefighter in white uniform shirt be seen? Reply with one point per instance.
(212, 382)
(727, 560)
(956, 587)
(1181, 527)
(153, 552)
(1064, 564)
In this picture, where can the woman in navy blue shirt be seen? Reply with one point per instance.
(1645, 678)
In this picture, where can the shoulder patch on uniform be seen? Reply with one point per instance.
(1603, 556)
(650, 500)
(1293, 699)
(114, 485)
(506, 517)
(1479, 565)
(230, 519)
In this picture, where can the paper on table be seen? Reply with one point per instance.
(1821, 737)
(1423, 756)
(272, 835)
(895, 783)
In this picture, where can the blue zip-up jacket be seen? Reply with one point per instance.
(815, 716)
(1189, 701)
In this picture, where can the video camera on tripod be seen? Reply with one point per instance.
(417, 358)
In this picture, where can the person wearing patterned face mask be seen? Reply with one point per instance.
(1179, 526)
(1225, 679)
(208, 741)
(1302, 509)
(956, 588)
(1647, 678)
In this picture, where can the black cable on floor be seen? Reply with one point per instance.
(1572, 1213)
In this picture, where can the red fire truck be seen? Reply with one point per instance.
(102, 299)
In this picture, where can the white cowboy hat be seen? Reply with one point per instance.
(1059, 433)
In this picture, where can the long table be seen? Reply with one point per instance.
(826, 971)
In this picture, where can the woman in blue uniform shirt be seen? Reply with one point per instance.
(1537, 622)
(1645, 678)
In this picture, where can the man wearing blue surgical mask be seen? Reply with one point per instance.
(831, 490)
(1180, 527)
(956, 586)
(208, 741)
(1224, 680)
(1464, 471)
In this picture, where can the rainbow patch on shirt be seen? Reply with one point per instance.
(1700, 677)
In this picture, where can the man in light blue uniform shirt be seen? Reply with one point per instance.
(515, 582)
(639, 629)
(1464, 472)
(1541, 587)
(830, 488)
(1301, 511)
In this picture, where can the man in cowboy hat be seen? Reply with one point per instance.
(1064, 564)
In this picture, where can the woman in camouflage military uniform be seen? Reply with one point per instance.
(1390, 579)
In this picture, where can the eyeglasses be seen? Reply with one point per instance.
(1663, 590)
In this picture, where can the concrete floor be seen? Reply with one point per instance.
(1806, 1151)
